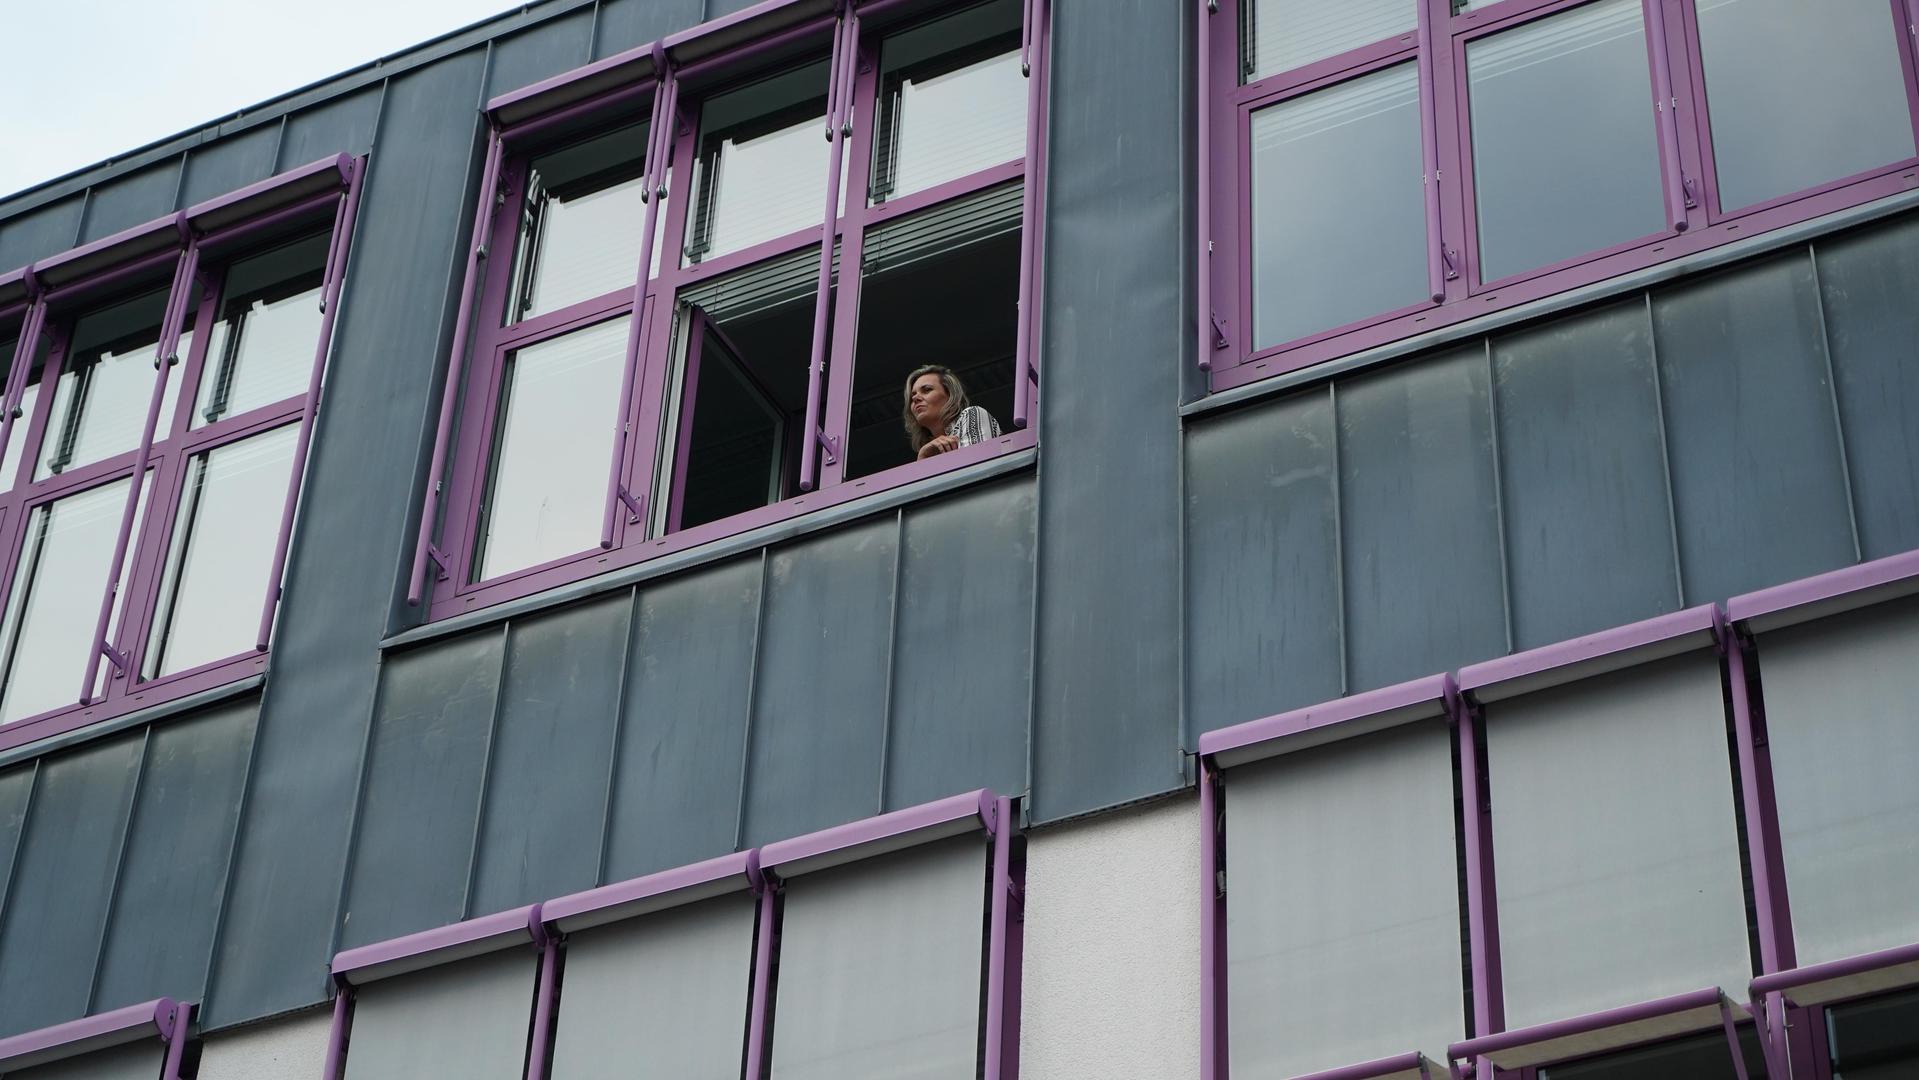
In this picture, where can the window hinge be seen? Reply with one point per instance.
(829, 444)
(635, 507)
(1691, 187)
(1450, 258)
(1219, 883)
(440, 560)
(1219, 332)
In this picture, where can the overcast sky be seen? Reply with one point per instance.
(82, 80)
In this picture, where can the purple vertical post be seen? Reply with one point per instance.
(1203, 128)
(176, 1031)
(335, 1065)
(1667, 107)
(540, 1042)
(456, 360)
(1212, 932)
(16, 384)
(1429, 148)
(1001, 1055)
(1029, 217)
(762, 1006)
(163, 362)
(344, 216)
(1776, 952)
(658, 147)
(845, 39)
(1489, 1008)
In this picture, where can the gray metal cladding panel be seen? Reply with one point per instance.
(552, 755)
(1588, 514)
(819, 699)
(63, 882)
(1870, 285)
(1106, 724)
(962, 651)
(1758, 480)
(176, 862)
(229, 164)
(467, 1020)
(39, 233)
(140, 1061)
(717, 8)
(424, 775)
(1419, 518)
(542, 51)
(676, 788)
(1262, 562)
(16, 795)
(345, 562)
(629, 24)
(341, 126)
(132, 200)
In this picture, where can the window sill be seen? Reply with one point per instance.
(40, 735)
(805, 514)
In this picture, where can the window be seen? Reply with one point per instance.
(192, 366)
(1377, 169)
(855, 206)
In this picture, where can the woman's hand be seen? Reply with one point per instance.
(939, 446)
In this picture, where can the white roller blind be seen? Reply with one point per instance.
(1342, 906)
(1842, 708)
(467, 1019)
(880, 967)
(137, 1061)
(1616, 850)
(659, 997)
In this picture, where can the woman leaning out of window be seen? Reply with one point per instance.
(938, 418)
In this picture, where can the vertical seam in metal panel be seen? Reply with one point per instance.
(86, 210)
(279, 142)
(19, 843)
(358, 810)
(119, 865)
(1339, 549)
(243, 801)
(1665, 456)
(593, 34)
(1032, 648)
(1499, 494)
(507, 634)
(752, 699)
(619, 725)
(1832, 391)
(892, 653)
(180, 181)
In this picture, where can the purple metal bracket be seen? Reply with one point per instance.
(1771, 906)
(1212, 929)
(163, 1018)
(423, 549)
(1436, 275)
(1029, 211)
(896, 831)
(432, 948)
(16, 381)
(655, 892)
(1612, 1029)
(345, 215)
(1413, 1066)
(1330, 721)
(760, 1008)
(1666, 105)
(546, 999)
(1827, 594)
(1482, 882)
(845, 39)
(1595, 654)
(1002, 954)
(335, 1064)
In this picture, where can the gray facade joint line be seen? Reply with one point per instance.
(486, 770)
(892, 656)
(280, 144)
(180, 181)
(1499, 495)
(245, 803)
(620, 699)
(164, 711)
(741, 543)
(119, 868)
(1832, 392)
(1584, 296)
(1665, 458)
(752, 697)
(19, 842)
(356, 819)
(80, 226)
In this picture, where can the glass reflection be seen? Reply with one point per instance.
(262, 348)
(106, 382)
(581, 217)
(761, 169)
(1280, 35)
(952, 100)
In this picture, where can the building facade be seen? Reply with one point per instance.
(1427, 585)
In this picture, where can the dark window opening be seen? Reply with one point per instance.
(1695, 1057)
(1875, 1039)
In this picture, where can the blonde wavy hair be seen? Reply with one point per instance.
(955, 403)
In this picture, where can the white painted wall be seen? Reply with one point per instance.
(1111, 985)
(289, 1048)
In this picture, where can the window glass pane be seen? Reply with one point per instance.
(261, 351)
(761, 171)
(1801, 93)
(1339, 213)
(1876, 1039)
(220, 553)
(581, 217)
(467, 1019)
(941, 287)
(745, 341)
(663, 995)
(1279, 35)
(880, 966)
(29, 396)
(106, 382)
(1343, 917)
(1619, 876)
(1565, 145)
(553, 445)
(952, 100)
(1840, 722)
(55, 600)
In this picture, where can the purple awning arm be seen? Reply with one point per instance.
(1612, 1029)
(164, 1019)
(1595, 654)
(1032, 41)
(1414, 1066)
(1315, 725)
(901, 829)
(1429, 150)
(1203, 138)
(681, 885)
(1843, 980)
(1827, 594)
(1004, 946)
(18, 373)
(441, 945)
(1666, 106)
(838, 119)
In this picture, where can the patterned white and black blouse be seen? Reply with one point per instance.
(973, 425)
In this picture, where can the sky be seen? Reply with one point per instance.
(83, 80)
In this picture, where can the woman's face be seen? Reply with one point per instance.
(927, 399)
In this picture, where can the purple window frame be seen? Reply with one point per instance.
(163, 1019)
(1676, 94)
(761, 871)
(58, 289)
(696, 63)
